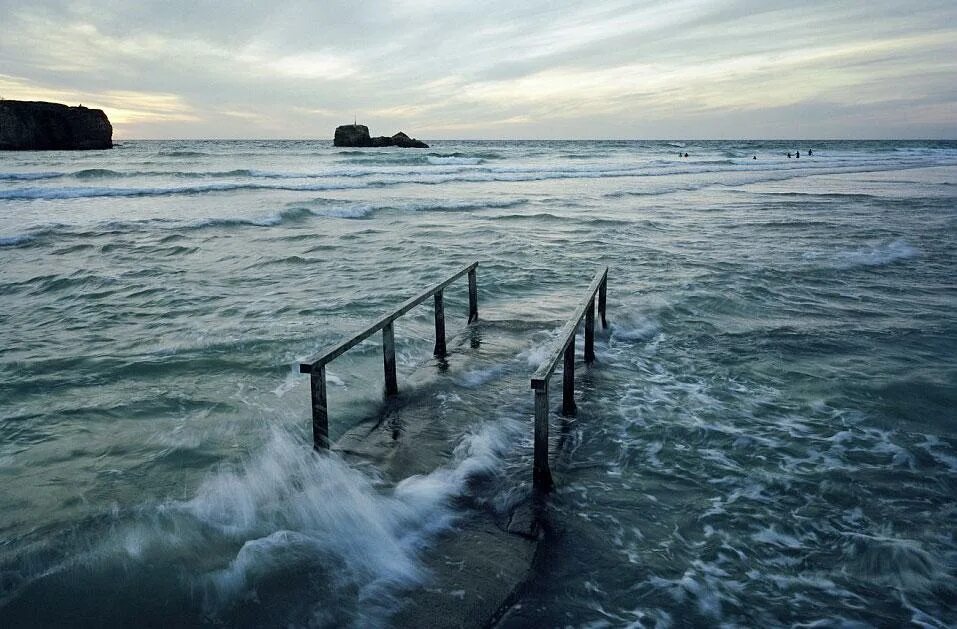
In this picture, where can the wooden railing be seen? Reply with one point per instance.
(317, 366)
(565, 348)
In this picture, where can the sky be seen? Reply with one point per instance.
(492, 69)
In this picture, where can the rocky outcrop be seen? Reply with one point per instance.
(357, 135)
(40, 126)
(352, 135)
(401, 139)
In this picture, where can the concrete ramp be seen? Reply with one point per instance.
(474, 379)
(476, 566)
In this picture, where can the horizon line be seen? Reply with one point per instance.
(281, 139)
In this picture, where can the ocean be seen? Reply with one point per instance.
(767, 437)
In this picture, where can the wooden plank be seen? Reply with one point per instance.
(340, 348)
(567, 333)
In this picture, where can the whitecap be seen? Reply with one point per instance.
(443, 161)
(776, 538)
(878, 255)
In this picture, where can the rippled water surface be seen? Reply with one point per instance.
(767, 438)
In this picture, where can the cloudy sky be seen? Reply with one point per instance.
(492, 69)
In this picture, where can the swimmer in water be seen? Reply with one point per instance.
(810, 152)
(789, 156)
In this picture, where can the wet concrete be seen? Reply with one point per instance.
(477, 567)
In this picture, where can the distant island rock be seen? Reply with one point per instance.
(41, 126)
(357, 135)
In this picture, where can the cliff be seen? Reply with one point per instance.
(40, 126)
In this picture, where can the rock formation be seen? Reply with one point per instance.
(401, 139)
(352, 135)
(40, 126)
(358, 135)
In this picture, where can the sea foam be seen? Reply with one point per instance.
(879, 255)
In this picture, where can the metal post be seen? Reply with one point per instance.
(541, 474)
(602, 295)
(388, 359)
(473, 297)
(590, 331)
(439, 326)
(320, 409)
(568, 380)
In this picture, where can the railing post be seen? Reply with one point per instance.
(388, 359)
(320, 409)
(439, 325)
(590, 331)
(602, 296)
(473, 297)
(568, 380)
(541, 474)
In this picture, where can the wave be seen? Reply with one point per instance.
(466, 161)
(97, 173)
(443, 174)
(291, 214)
(286, 215)
(337, 209)
(403, 157)
(183, 154)
(822, 195)
(329, 208)
(90, 192)
(454, 206)
(29, 176)
(16, 240)
(283, 513)
(879, 255)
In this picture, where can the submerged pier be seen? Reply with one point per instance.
(485, 561)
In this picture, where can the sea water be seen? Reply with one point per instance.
(767, 438)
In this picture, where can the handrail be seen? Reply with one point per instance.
(565, 348)
(569, 330)
(317, 366)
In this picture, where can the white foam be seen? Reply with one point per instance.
(451, 205)
(634, 330)
(776, 538)
(932, 445)
(477, 377)
(878, 255)
(358, 210)
(290, 507)
(465, 161)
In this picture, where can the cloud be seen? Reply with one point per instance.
(441, 69)
(124, 108)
